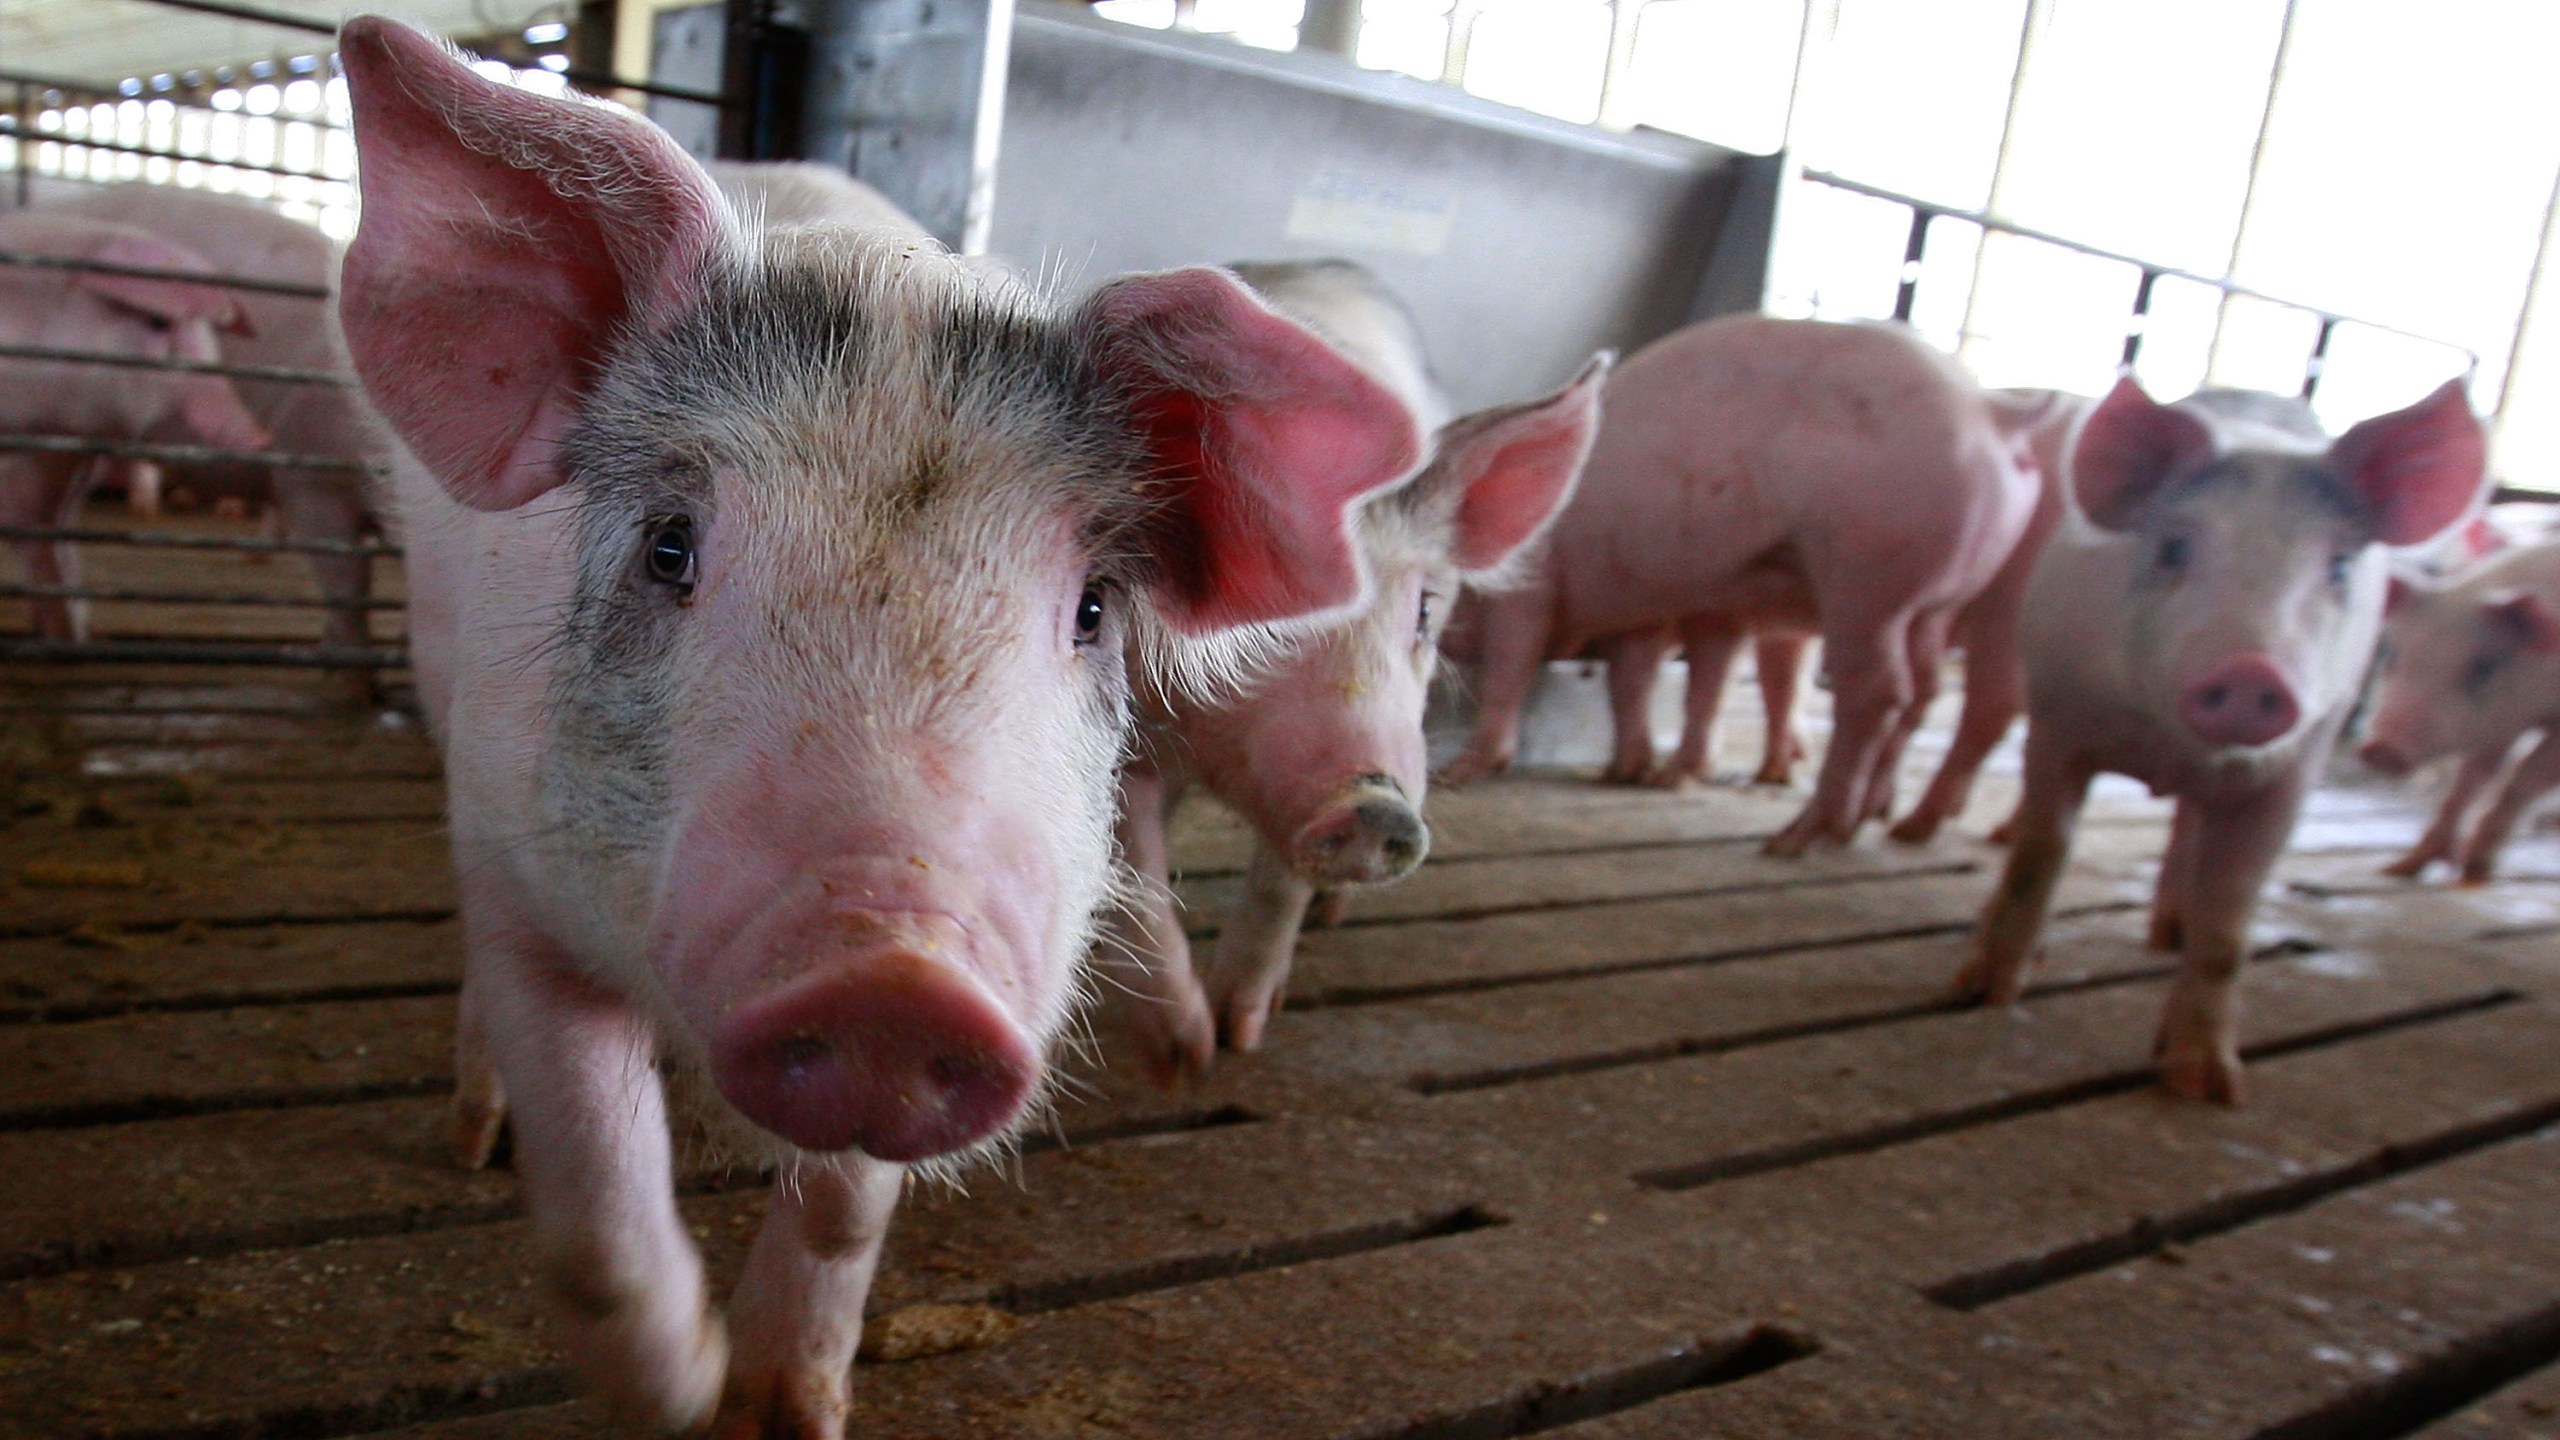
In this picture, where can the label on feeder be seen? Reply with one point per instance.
(1342, 210)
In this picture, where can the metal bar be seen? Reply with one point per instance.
(256, 15)
(2223, 283)
(1914, 248)
(2031, 27)
(2249, 188)
(2319, 360)
(166, 540)
(119, 147)
(175, 454)
(2141, 320)
(145, 272)
(10, 591)
(26, 651)
(282, 374)
(599, 80)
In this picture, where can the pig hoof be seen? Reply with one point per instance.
(807, 1405)
(1624, 772)
(1329, 909)
(2199, 1074)
(1780, 776)
(1679, 777)
(1472, 765)
(2411, 865)
(1917, 828)
(473, 1132)
(2475, 873)
(1247, 1019)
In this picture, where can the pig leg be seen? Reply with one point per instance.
(478, 1114)
(1928, 672)
(796, 1317)
(1516, 623)
(1871, 684)
(2234, 847)
(1635, 662)
(1780, 661)
(595, 1160)
(1330, 908)
(1251, 971)
(1710, 641)
(47, 491)
(1995, 690)
(2057, 784)
(2444, 833)
(2169, 896)
(313, 508)
(1145, 954)
(2534, 777)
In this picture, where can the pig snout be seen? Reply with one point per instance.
(1367, 835)
(888, 1047)
(2386, 757)
(2245, 700)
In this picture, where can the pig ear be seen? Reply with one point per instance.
(2419, 468)
(2526, 616)
(2128, 444)
(1507, 472)
(1261, 437)
(171, 300)
(505, 240)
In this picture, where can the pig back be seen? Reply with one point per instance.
(1744, 454)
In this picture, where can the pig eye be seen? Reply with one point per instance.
(666, 551)
(1089, 615)
(158, 323)
(1422, 621)
(2484, 667)
(2338, 569)
(2172, 554)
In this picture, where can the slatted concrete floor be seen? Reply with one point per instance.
(1603, 1126)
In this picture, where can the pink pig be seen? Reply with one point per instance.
(1321, 751)
(775, 593)
(2202, 624)
(1990, 627)
(117, 316)
(1757, 472)
(2468, 670)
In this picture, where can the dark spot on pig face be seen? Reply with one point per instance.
(848, 588)
(2260, 554)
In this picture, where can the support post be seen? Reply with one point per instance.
(908, 95)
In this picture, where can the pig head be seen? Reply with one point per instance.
(1323, 755)
(2241, 563)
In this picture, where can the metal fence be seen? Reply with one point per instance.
(271, 127)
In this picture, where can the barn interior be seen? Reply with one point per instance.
(1603, 1123)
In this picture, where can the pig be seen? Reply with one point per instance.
(2202, 623)
(1846, 479)
(117, 316)
(1988, 628)
(2469, 669)
(775, 592)
(1322, 752)
(246, 239)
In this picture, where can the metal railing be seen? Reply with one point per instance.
(1925, 212)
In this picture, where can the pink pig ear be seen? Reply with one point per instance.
(1262, 437)
(505, 240)
(2419, 468)
(1508, 471)
(2128, 444)
(2526, 616)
